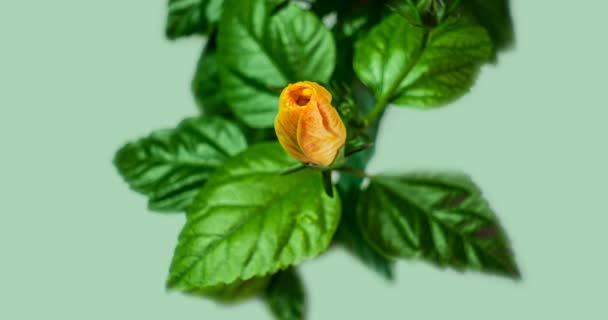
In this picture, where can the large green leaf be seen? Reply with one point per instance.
(260, 53)
(285, 296)
(495, 16)
(410, 66)
(170, 166)
(442, 218)
(188, 17)
(206, 85)
(249, 220)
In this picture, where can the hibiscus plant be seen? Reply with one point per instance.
(273, 171)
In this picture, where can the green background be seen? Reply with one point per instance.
(79, 78)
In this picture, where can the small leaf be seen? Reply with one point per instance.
(170, 166)
(249, 220)
(441, 218)
(188, 17)
(409, 66)
(260, 54)
(285, 296)
(206, 85)
(495, 16)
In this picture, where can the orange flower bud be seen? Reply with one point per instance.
(308, 127)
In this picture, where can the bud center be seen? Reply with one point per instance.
(302, 97)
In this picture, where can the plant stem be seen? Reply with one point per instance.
(354, 172)
(373, 115)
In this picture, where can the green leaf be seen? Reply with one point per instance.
(495, 16)
(275, 5)
(285, 296)
(235, 292)
(408, 9)
(249, 220)
(410, 66)
(349, 232)
(188, 17)
(323, 7)
(206, 85)
(442, 218)
(259, 135)
(260, 53)
(353, 19)
(170, 166)
(351, 236)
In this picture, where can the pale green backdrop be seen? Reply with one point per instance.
(78, 78)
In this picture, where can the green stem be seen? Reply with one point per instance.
(354, 172)
(379, 107)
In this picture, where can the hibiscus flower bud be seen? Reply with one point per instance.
(308, 127)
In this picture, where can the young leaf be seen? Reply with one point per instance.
(285, 296)
(410, 66)
(249, 220)
(260, 53)
(206, 85)
(170, 166)
(438, 217)
(188, 17)
(495, 16)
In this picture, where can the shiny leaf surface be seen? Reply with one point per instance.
(441, 218)
(423, 68)
(170, 166)
(261, 52)
(249, 220)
